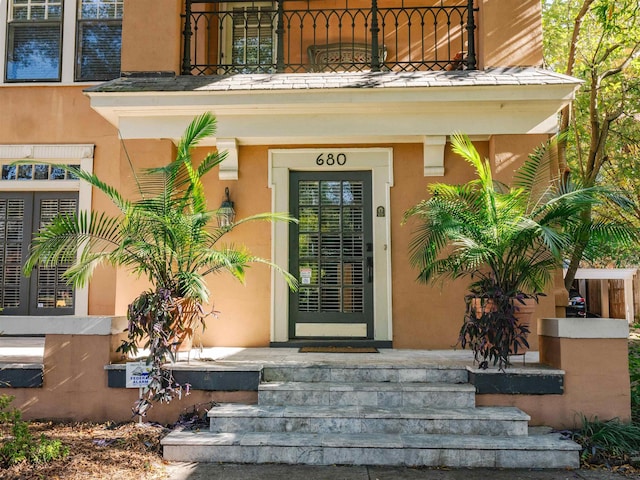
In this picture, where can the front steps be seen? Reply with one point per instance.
(370, 415)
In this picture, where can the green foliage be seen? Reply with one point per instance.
(602, 441)
(507, 239)
(167, 234)
(21, 446)
(598, 41)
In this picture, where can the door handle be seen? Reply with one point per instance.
(370, 269)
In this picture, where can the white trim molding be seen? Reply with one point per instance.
(81, 154)
(583, 327)
(377, 160)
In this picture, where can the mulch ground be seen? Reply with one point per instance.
(97, 451)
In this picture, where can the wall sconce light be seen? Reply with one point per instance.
(226, 214)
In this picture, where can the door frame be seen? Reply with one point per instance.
(379, 161)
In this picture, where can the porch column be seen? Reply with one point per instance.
(593, 353)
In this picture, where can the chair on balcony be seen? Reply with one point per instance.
(342, 57)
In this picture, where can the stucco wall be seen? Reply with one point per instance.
(509, 33)
(430, 316)
(596, 383)
(151, 36)
(75, 386)
(61, 115)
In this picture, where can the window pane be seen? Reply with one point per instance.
(34, 51)
(103, 9)
(99, 47)
(41, 172)
(25, 172)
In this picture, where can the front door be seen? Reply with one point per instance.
(331, 253)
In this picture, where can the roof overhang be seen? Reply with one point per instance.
(329, 108)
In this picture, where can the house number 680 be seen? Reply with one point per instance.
(330, 159)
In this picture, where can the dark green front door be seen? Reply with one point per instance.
(331, 253)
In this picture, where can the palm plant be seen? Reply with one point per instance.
(507, 240)
(166, 234)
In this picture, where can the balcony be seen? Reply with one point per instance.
(298, 36)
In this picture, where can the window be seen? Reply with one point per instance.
(252, 38)
(99, 39)
(31, 195)
(45, 292)
(34, 40)
(40, 45)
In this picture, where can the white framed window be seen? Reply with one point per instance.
(249, 37)
(30, 195)
(61, 40)
(99, 39)
(34, 40)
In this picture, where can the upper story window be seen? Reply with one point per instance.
(99, 39)
(63, 40)
(34, 40)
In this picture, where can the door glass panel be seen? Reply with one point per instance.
(308, 219)
(309, 193)
(352, 193)
(330, 193)
(308, 299)
(330, 221)
(331, 251)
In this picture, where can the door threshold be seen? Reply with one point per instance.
(338, 342)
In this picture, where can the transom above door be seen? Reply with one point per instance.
(331, 253)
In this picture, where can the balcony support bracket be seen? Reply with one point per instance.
(433, 152)
(229, 166)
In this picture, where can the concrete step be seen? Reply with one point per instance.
(363, 373)
(459, 451)
(374, 394)
(504, 421)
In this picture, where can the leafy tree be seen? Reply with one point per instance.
(597, 41)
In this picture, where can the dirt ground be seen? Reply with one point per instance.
(129, 451)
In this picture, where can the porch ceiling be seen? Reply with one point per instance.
(350, 107)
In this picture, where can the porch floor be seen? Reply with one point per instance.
(30, 350)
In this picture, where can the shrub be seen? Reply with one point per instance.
(21, 446)
(607, 442)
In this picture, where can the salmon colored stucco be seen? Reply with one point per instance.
(596, 383)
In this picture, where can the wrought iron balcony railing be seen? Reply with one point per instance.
(251, 36)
